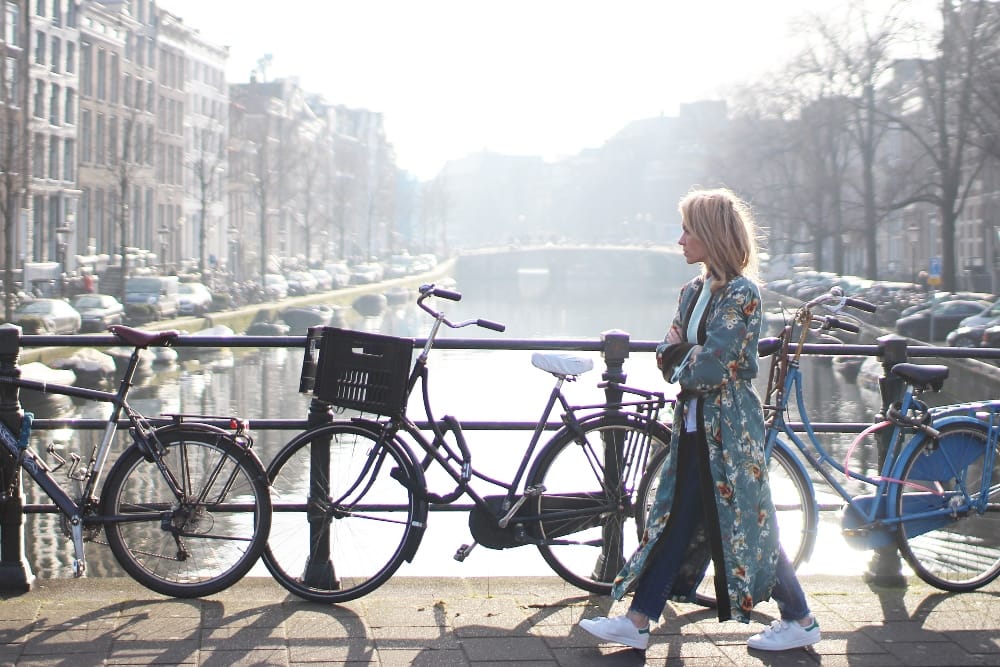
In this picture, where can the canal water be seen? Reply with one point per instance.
(471, 385)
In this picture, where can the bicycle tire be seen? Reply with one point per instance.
(224, 515)
(589, 550)
(363, 525)
(960, 551)
(794, 506)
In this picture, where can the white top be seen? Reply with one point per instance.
(691, 415)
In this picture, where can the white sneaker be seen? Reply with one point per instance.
(783, 635)
(618, 629)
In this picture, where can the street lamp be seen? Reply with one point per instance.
(913, 234)
(164, 233)
(234, 252)
(62, 245)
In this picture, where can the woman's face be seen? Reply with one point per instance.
(693, 247)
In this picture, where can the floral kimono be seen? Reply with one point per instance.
(739, 534)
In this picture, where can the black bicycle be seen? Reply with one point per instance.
(185, 508)
(351, 501)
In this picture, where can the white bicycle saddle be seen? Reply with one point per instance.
(561, 363)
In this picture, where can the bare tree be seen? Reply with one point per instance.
(274, 167)
(850, 56)
(126, 160)
(315, 169)
(935, 110)
(207, 166)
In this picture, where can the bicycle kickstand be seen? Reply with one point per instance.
(79, 560)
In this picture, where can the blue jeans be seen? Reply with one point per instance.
(686, 515)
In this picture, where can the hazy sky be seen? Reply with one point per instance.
(538, 77)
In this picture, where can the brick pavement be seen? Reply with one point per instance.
(474, 621)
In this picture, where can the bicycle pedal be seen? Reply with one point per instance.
(463, 551)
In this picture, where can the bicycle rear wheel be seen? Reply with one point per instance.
(793, 503)
(201, 541)
(959, 550)
(588, 519)
(342, 523)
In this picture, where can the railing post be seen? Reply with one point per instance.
(614, 349)
(15, 571)
(885, 567)
(319, 570)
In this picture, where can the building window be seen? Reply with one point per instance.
(69, 161)
(40, 7)
(39, 102)
(85, 130)
(113, 140)
(40, 47)
(70, 114)
(57, 12)
(53, 158)
(54, 118)
(70, 57)
(10, 32)
(115, 74)
(99, 140)
(102, 74)
(11, 93)
(86, 69)
(55, 61)
(38, 156)
(127, 89)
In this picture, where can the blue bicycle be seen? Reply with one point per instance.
(937, 493)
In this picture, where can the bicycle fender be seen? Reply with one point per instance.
(918, 440)
(206, 428)
(419, 523)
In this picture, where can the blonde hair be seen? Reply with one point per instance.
(724, 223)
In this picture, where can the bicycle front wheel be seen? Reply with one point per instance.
(794, 507)
(587, 513)
(195, 529)
(955, 482)
(343, 521)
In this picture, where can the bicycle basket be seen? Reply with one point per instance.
(363, 371)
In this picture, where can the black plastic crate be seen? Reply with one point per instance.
(363, 371)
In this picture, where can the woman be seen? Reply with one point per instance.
(714, 500)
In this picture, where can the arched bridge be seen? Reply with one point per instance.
(654, 268)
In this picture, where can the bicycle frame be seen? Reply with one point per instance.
(872, 514)
(458, 465)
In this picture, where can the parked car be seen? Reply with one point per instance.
(941, 297)
(969, 332)
(934, 323)
(47, 316)
(366, 272)
(324, 281)
(275, 286)
(399, 266)
(340, 273)
(991, 336)
(193, 299)
(300, 283)
(98, 311)
(151, 298)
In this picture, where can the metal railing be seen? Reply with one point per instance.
(614, 346)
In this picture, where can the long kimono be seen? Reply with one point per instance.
(739, 534)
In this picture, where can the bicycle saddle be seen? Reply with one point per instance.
(140, 338)
(928, 376)
(561, 363)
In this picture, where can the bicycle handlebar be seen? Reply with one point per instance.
(430, 290)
